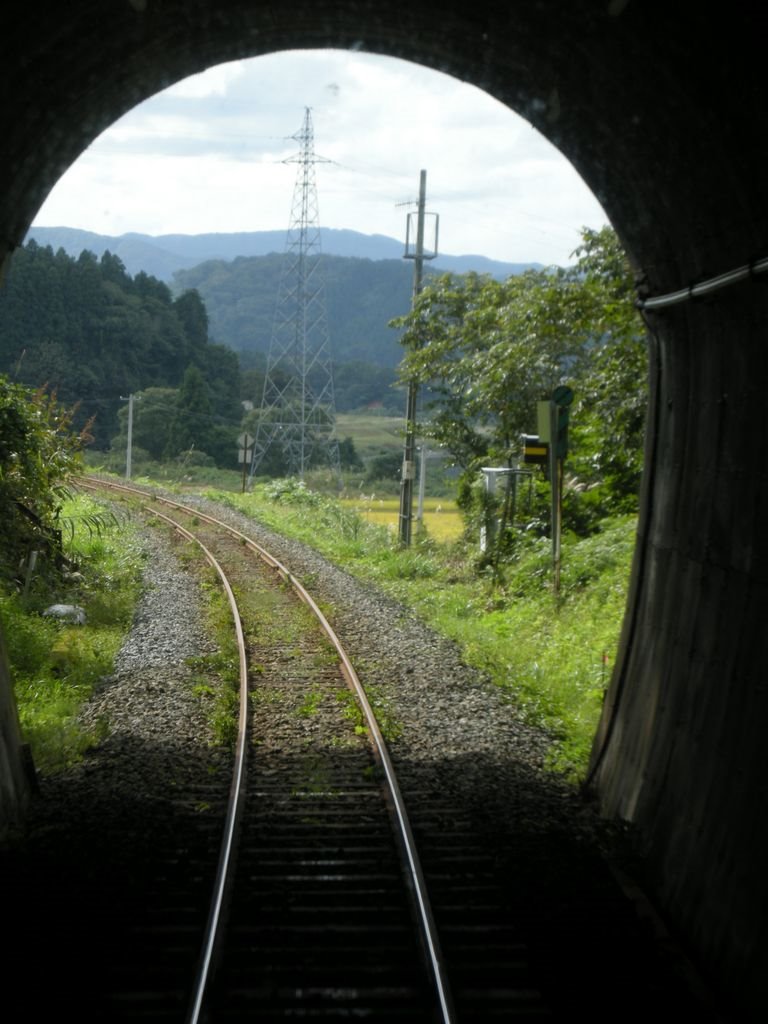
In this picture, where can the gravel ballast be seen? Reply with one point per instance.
(460, 743)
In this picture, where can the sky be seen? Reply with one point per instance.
(208, 155)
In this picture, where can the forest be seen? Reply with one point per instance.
(361, 297)
(481, 350)
(93, 335)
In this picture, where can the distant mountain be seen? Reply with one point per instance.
(361, 297)
(162, 256)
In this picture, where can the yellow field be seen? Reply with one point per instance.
(441, 517)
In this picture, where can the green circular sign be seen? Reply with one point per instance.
(562, 395)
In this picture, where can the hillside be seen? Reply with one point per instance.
(93, 334)
(361, 295)
(367, 284)
(161, 256)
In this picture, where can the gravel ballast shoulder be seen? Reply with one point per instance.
(452, 720)
(91, 827)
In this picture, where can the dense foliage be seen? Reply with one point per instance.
(488, 351)
(609, 420)
(38, 450)
(56, 664)
(86, 329)
(361, 296)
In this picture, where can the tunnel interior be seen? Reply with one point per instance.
(662, 110)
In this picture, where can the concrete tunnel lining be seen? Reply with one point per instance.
(662, 110)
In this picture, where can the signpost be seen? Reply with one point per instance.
(244, 453)
(549, 448)
(535, 450)
(558, 449)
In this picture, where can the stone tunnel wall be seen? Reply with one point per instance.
(15, 778)
(680, 749)
(662, 108)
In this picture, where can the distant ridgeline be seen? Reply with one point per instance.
(366, 279)
(98, 318)
(162, 256)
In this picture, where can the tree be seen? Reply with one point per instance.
(349, 457)
(486, 352)
(609, 417)
(192, 421)
(191, 311)
(38, 450)
(220, 367)
(113, 269)
(384, 466)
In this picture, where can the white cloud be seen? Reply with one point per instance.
(213, 82)
(205, 155)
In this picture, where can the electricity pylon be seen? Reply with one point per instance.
(298, 415)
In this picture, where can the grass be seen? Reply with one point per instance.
(551, 655)
(372, 435)
(55, 665)
(310, 704)
(217, 674)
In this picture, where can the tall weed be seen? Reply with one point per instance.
(55, 665)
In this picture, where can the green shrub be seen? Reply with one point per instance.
(55, 665)
(37, 453)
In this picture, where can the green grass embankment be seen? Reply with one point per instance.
(551, 654)
(56, 664)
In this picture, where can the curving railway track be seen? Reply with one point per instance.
(300, 887)
(319, 903)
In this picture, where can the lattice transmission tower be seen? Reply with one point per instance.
(298, 414)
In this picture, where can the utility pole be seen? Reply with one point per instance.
(409, 450)
(422, 483)
(555, 468)
(298, 413)
(129, 451)
(556, 410)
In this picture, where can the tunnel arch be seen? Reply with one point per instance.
(662, 110)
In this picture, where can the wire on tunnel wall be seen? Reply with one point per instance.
(705, 287)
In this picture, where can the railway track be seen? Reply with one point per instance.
(319, 906)
(329, 900)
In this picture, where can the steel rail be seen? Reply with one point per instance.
(237, 788)
(417, 881)
(414, 874)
